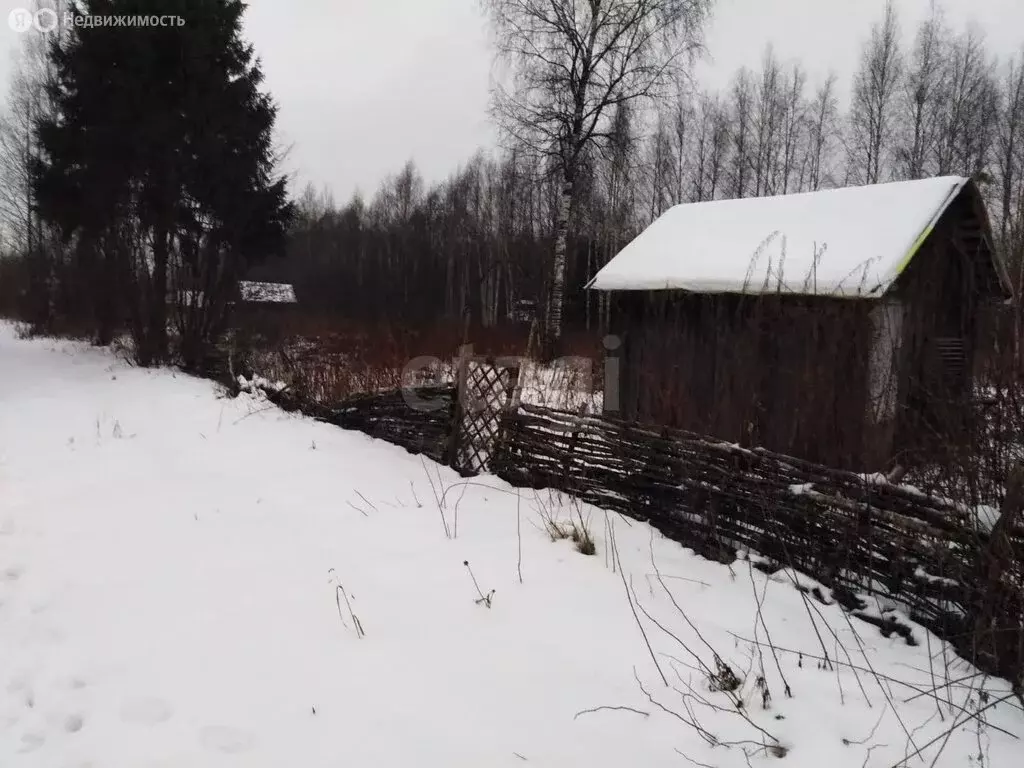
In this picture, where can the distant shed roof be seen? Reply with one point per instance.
(266, 293)
(853, 241)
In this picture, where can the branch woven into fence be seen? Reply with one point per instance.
(421, 428)
(857, 534)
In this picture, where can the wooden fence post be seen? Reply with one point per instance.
(461, 388)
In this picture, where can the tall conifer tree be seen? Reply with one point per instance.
(160, 165)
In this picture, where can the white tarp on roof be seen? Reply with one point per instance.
(846, 242)
(269, 293)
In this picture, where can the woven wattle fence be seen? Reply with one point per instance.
(859, 535)
(425, 429)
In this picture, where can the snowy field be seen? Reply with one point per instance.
(170, 563)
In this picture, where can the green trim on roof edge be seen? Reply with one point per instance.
(914, 249)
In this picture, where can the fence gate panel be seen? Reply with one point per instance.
(486, 389)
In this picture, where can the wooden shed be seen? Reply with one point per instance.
(839, 326)
(265, 309)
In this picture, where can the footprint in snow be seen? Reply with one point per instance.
(32, 741)
(69, 722)
(12, 574)
(20, 687)
(227, 740)
(146, 711)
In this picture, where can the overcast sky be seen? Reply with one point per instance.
(364, 85)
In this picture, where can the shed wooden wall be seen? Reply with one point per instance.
(788, 373)
(944, 291)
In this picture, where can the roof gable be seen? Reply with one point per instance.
(854, 241)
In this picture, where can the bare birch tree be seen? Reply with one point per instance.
(741, 120)
(662, 165)
(872, 114)
(28, 101)
(573, 61)
(618, 182)
(967, 114)
(822, 135)
(682, 128)
(711, 146)
(767, 119)
(1009, 167)
(793, 168)
(921, 100)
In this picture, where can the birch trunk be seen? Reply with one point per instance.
(553, 326)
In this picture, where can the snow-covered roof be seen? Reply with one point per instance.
(269, 293)
(853, 241)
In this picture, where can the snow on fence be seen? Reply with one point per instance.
(387, 416)
(861, 536)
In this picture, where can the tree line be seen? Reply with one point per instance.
(139, 174)
(924, 102)
(177, 194)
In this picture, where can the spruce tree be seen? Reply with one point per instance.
(160, 165)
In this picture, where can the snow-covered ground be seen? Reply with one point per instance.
(170, 563)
